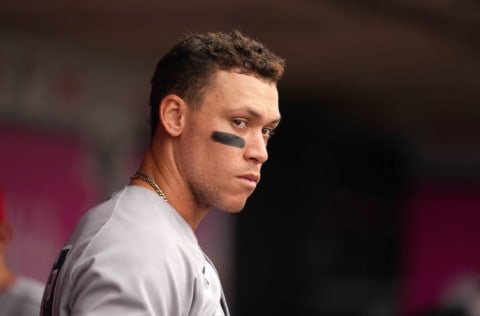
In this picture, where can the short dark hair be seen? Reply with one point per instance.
(188, 67)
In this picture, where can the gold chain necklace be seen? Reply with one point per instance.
(142, 176)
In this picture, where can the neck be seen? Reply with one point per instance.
(162, 170)
(140, 175)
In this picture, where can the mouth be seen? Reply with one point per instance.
(250, 179)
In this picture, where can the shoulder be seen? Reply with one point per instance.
(30, 289)
(132, 231)
(130, 214)
(24, 296)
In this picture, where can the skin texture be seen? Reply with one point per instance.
(198, 173)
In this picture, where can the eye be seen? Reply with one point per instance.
(268, 132)
(240, 123)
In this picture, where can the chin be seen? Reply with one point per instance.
(233, 211)
(232, 207)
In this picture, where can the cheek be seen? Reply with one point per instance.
(210, 166)
(203, 151)
(216, 157)
(210, 149)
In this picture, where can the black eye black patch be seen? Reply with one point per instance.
(228, 139)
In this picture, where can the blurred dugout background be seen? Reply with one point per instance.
(370, 203)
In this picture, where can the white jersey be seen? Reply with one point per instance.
(133, 255)
(22, 298)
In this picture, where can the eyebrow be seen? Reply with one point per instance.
(259, 116)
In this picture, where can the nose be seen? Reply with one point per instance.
(256, 149)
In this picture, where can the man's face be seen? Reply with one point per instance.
(224, 141)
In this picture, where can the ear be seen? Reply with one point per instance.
(172, 114)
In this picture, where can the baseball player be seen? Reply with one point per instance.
(214, 106)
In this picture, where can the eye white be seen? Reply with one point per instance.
(240, 123)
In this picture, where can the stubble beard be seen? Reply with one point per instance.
(207, 197)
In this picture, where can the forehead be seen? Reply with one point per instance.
(234, 91)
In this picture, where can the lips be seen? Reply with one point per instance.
(251, 179)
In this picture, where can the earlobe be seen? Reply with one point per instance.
(172, 114)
